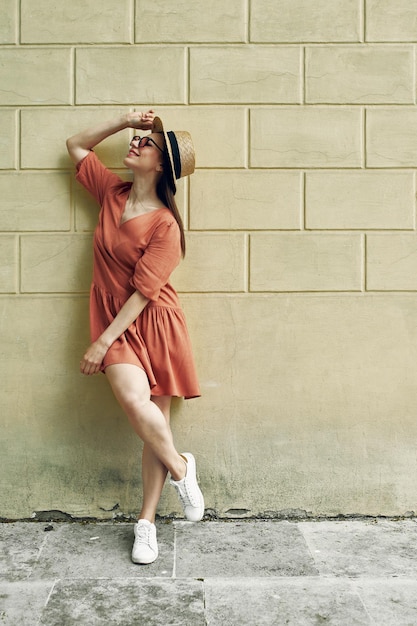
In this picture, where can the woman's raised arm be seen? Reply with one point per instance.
(79, 145)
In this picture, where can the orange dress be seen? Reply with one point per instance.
(139, 254)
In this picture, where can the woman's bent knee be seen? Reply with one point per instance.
(130, 386)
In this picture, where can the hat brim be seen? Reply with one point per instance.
(180, 150)
(158, 127)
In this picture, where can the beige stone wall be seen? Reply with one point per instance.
(300, 282)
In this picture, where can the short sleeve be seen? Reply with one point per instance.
(95, 177)
(158, 261)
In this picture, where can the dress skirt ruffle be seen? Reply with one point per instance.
(158, 342)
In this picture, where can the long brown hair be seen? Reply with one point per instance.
(166, 192)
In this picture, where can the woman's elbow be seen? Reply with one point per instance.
(76, 152)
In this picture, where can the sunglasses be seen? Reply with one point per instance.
(145, 141)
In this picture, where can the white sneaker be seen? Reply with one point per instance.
(189, 492)
(145, 548)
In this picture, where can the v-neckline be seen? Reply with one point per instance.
(135, 216)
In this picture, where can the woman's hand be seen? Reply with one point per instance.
(93, 358)
(141, 121)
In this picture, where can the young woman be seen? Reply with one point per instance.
(138, 331)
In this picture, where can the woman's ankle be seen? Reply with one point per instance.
(181, 471)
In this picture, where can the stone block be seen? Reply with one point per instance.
(8, 21)
(7, 139)
(305, 137)
(156, 75)
(190, 21)
(290, 600)
(214, 262)
(305, 262)
(35, 76)
(78, 21)
(360, 200)
(391, 20)
(23, 602)
(30, 201)
(245, 74)
(391, 262)
(8, 263)
(391, 137)
(86, 209)
(248, 199)
(45, 130)
(346, 74)
(219, 133)
(126, 601)
(304, 21)
(82, 561)
(360, 549)
(215, 551)
(56, 264)
(393, 600)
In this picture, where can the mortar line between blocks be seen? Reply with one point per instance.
(356, 590)
(310, 548)
(47, 599)
(174, 567)
(38, 556)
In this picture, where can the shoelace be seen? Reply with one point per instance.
(185, 496)
(142, 533)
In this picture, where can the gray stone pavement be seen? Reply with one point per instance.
(219, 573)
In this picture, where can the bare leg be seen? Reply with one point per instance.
(131, 388)
(154, 472)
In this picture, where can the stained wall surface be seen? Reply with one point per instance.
(300, 280)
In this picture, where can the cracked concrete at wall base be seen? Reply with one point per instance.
(210, 515)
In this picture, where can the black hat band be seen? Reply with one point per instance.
(175, 153)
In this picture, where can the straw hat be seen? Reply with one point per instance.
(180, 150)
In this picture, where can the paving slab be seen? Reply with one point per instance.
(125, 602)
(363, 548)
(99, 551)
(22, 603)
(21, 544)
(255, 549)
(282, 601)
(389, 602)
